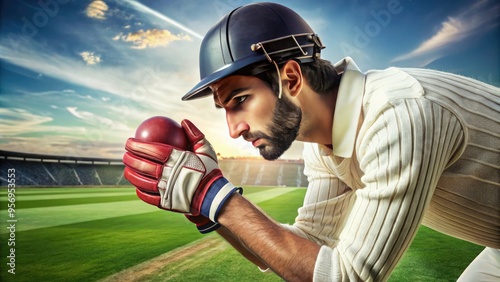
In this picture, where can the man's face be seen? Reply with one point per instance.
(254, 111)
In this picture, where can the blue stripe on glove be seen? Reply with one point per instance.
(218, 193)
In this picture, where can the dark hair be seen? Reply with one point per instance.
(320, 75)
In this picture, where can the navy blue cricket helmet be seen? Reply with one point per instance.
(250, 40)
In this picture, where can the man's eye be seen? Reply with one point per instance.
(241, 99)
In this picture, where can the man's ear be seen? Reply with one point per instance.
(291, 76)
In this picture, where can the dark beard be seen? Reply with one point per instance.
(283, 129)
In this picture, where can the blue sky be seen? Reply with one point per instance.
(77, 77)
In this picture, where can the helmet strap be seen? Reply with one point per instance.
(279, 80)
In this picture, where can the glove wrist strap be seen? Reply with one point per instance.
(217, 195)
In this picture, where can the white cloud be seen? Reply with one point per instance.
(15, 119)
(73, 111)
(97, 10)
(476, 20)
(151, 38)
(98, 120)
(90, 58)
(28, 132)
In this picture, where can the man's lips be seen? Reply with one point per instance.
(255, 141)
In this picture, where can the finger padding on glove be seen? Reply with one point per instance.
(145, 166)
(192, 132)
(140, 181)
(156, 152)
(151, 199)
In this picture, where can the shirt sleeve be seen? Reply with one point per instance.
(402, 152)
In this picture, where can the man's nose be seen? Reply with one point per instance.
(236, 126)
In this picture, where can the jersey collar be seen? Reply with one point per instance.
(347, 108)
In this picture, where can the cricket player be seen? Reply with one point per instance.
(385, 151)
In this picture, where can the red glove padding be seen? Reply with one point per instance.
(177, 180)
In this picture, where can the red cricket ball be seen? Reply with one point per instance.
(162, 130)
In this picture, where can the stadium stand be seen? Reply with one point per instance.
(260, 172)
(51, 171)
(45, 170)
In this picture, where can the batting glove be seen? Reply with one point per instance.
(177, 180)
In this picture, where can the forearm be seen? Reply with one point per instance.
(290, 256)
(237, 245)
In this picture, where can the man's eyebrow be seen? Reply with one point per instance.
(231, 96)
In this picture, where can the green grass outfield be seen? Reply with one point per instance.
(95, 234)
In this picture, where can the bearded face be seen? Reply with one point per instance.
(283, 129)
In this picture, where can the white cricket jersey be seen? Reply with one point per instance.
(410, 146)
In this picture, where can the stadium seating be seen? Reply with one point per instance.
(38, 170)
(260, 172)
